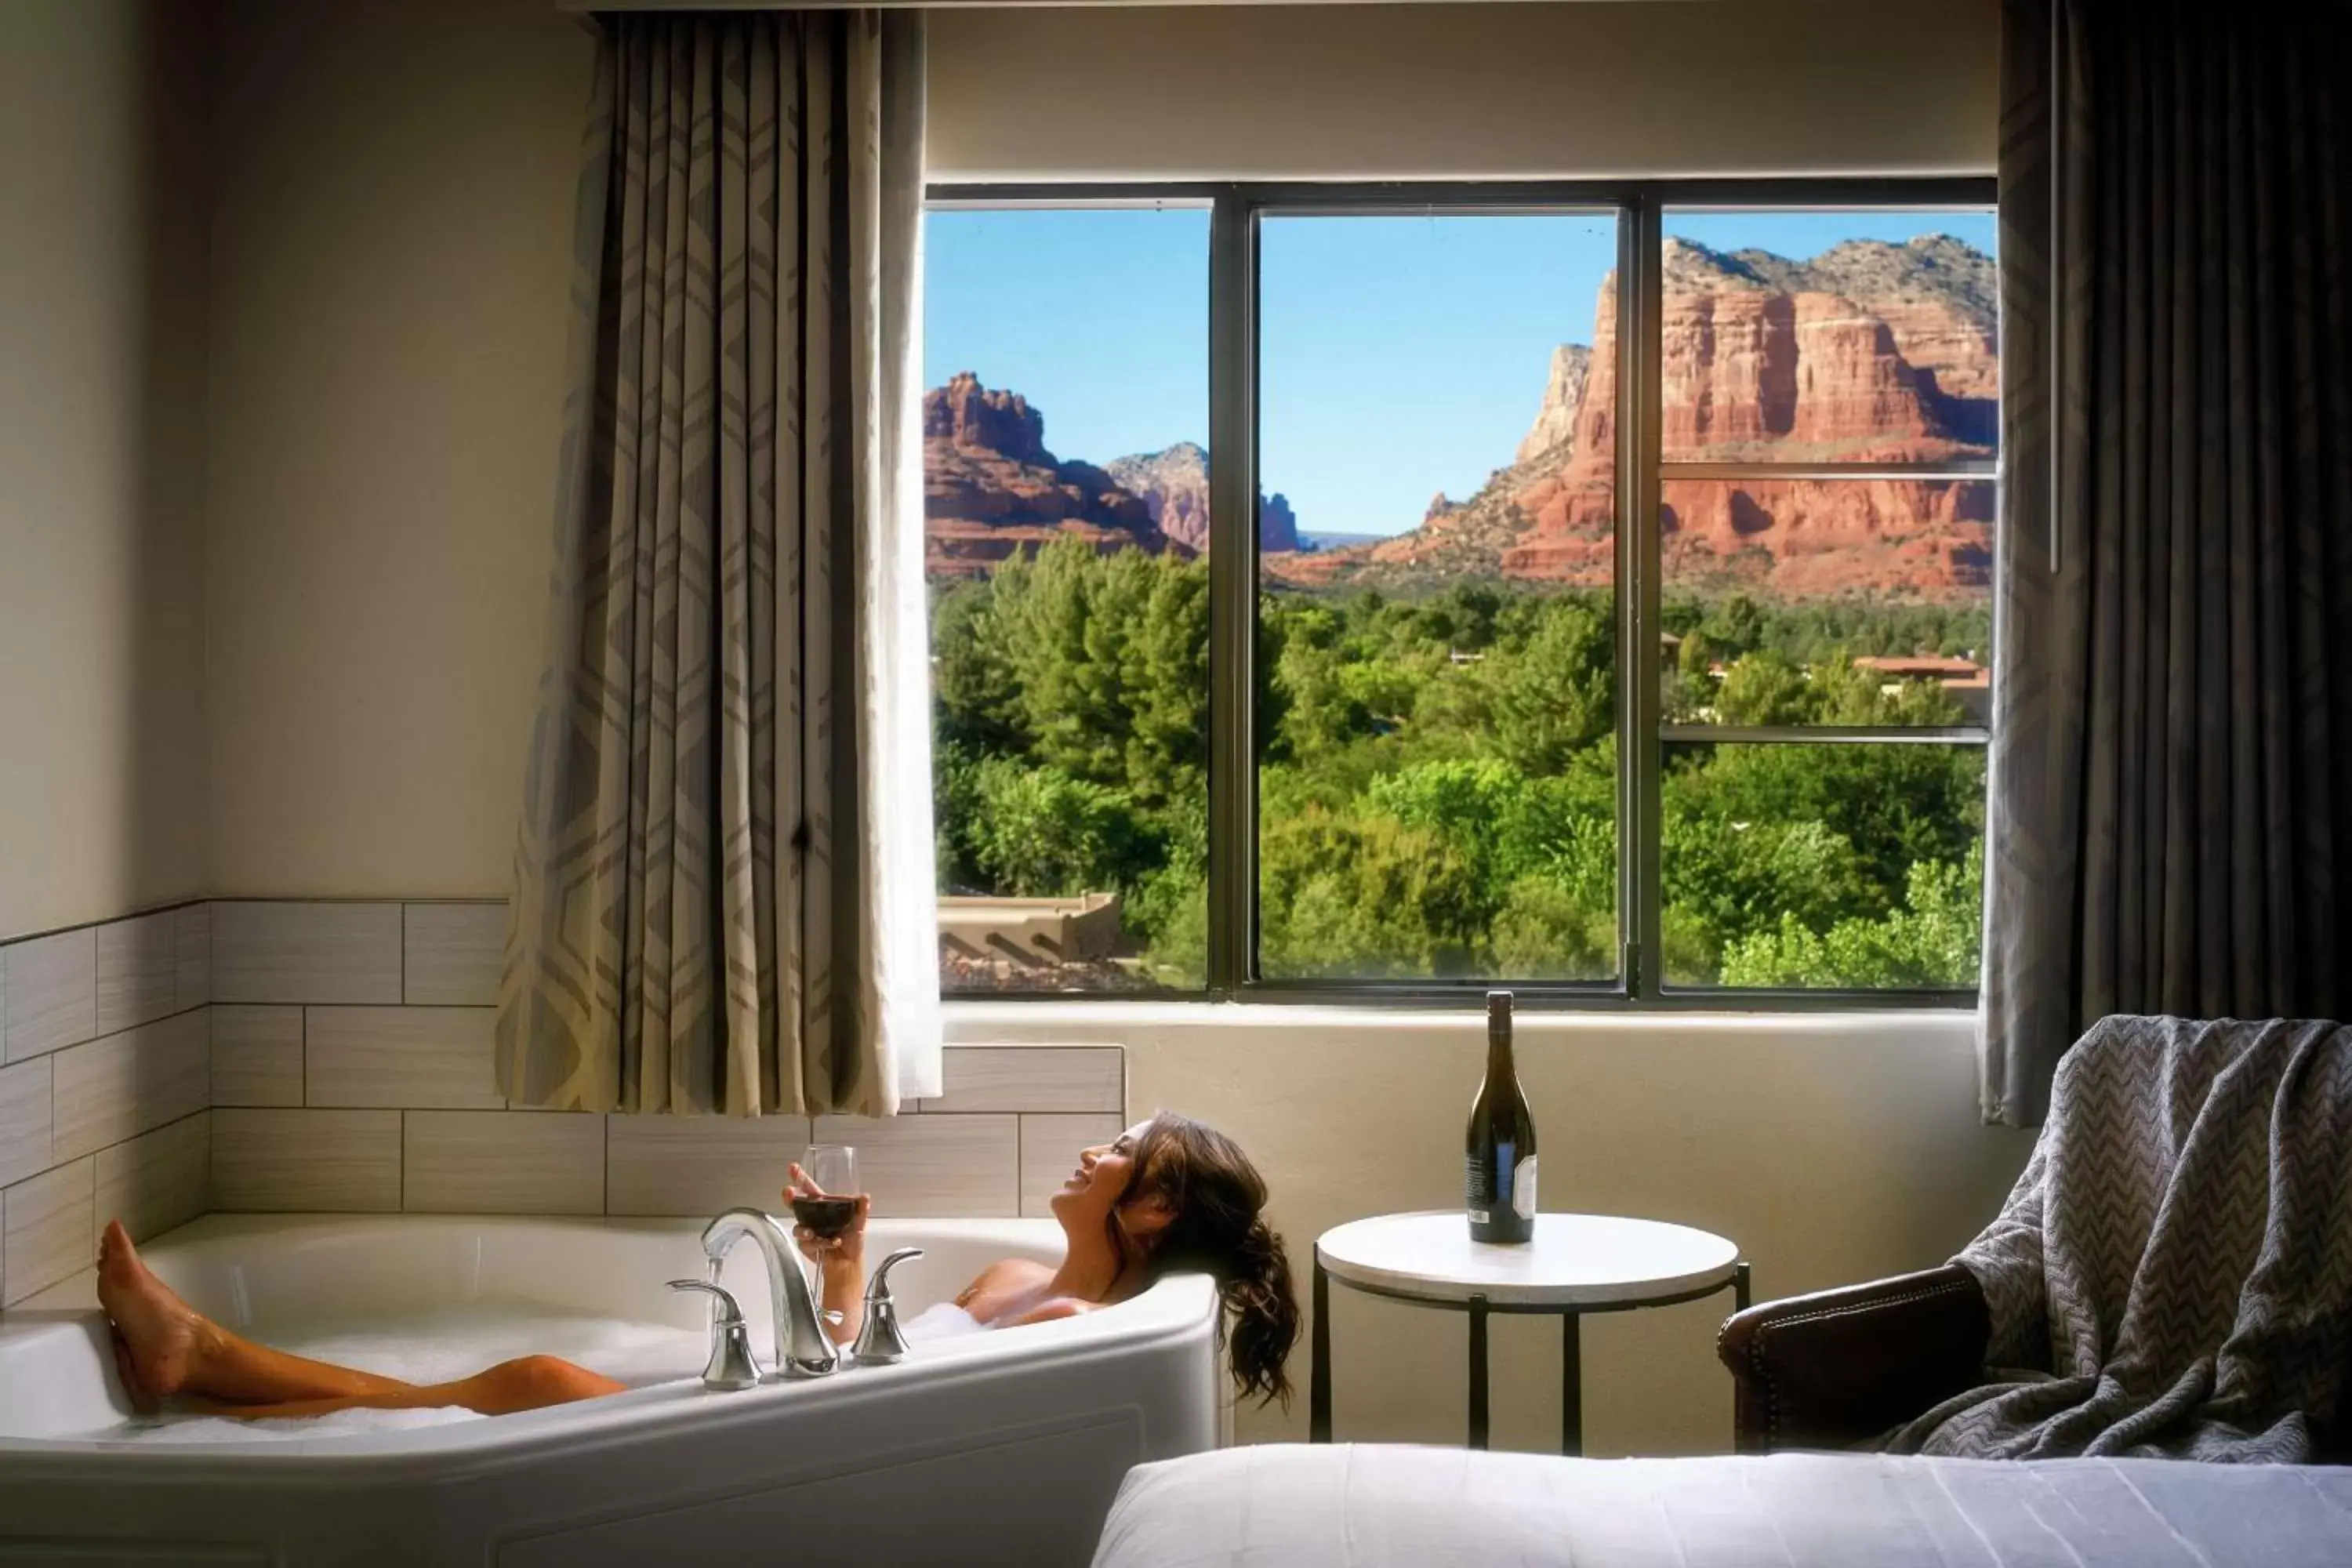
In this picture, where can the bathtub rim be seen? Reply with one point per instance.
(1178, 1309)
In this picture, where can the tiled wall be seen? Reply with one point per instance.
(344, 1051)
(104, 1081)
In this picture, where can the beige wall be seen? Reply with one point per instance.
(1831, 1149)
(391, 241)
(102, 461)
(386, 264)
(1707, 87)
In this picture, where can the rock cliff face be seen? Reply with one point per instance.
(1904, 539)
(1869, 351)
(1563, 395)
(1175, 485)
(1277, 525)
(992, 490)
(970, 418)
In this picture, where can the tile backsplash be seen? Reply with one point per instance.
(335, 1056)
(307, 952)
(105, 1092)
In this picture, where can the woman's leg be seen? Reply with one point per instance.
(166, 1347)
(171, 1348)
(531, 1383)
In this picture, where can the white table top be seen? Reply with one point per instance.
(1575, 1259)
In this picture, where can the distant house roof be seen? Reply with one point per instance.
(1923, 667)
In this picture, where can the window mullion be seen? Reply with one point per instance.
(1639, 356)
(1233, 592)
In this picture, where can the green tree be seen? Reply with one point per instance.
(1110, 657)
(1846, 694)
(1543, 932)
(1437, 774)
(1933, 941)
(1038, 833)
(1319, 715)
(1564, 829)
(1726, 877)
(1895, 804)
(1177, 901)
(1763, 688)
(1737, 625)
(1559, 693)
(1346, 895)
(972, 686)
(1463, 804)
(1697, 655)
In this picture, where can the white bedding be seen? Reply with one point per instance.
(1379, 1506)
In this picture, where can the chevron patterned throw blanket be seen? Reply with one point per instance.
(2178, 1253)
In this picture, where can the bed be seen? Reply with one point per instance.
(1380, 1506)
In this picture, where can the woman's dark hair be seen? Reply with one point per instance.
(1217, 1196)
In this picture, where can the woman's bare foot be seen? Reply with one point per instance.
(142, 1401)
(158, 1337)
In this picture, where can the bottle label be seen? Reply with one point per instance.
(1492, 1183)
(1499, 1182)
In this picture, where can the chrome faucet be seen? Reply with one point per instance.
(803, 1347)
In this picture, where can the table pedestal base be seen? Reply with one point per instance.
(1572, 1353)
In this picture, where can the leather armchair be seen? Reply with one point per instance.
(1840, 1367)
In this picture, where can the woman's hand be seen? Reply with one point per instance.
(846, 1250)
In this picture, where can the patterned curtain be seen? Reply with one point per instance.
(725, 898)
(2172, 775)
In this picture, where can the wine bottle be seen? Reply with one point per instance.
(1501, 1159)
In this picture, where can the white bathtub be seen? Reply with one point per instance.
(1006, 1446)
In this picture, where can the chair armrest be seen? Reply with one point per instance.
(1839, 1367)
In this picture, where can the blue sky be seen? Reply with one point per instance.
(1401, 356)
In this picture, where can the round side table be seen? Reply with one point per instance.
(1576, 1263)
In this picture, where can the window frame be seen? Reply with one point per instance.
(1235, 210)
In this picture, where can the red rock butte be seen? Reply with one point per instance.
(991, 490)
(1870, 352)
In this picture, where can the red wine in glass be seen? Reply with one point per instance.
(832, 1168)
(827, 1216)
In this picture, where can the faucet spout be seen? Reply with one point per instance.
(803, 1348)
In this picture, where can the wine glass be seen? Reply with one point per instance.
(832, 1168)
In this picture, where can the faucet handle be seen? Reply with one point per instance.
(732, 1365)
(877, 1284)
(879, 1342)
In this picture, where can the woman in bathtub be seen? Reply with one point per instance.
(1167, 1196)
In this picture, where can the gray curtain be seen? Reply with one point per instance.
(724, 898)
(2172, 775)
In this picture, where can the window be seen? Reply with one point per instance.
(1470, 446)
(1437, 767)
(1827, 429)
(1067, 532)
